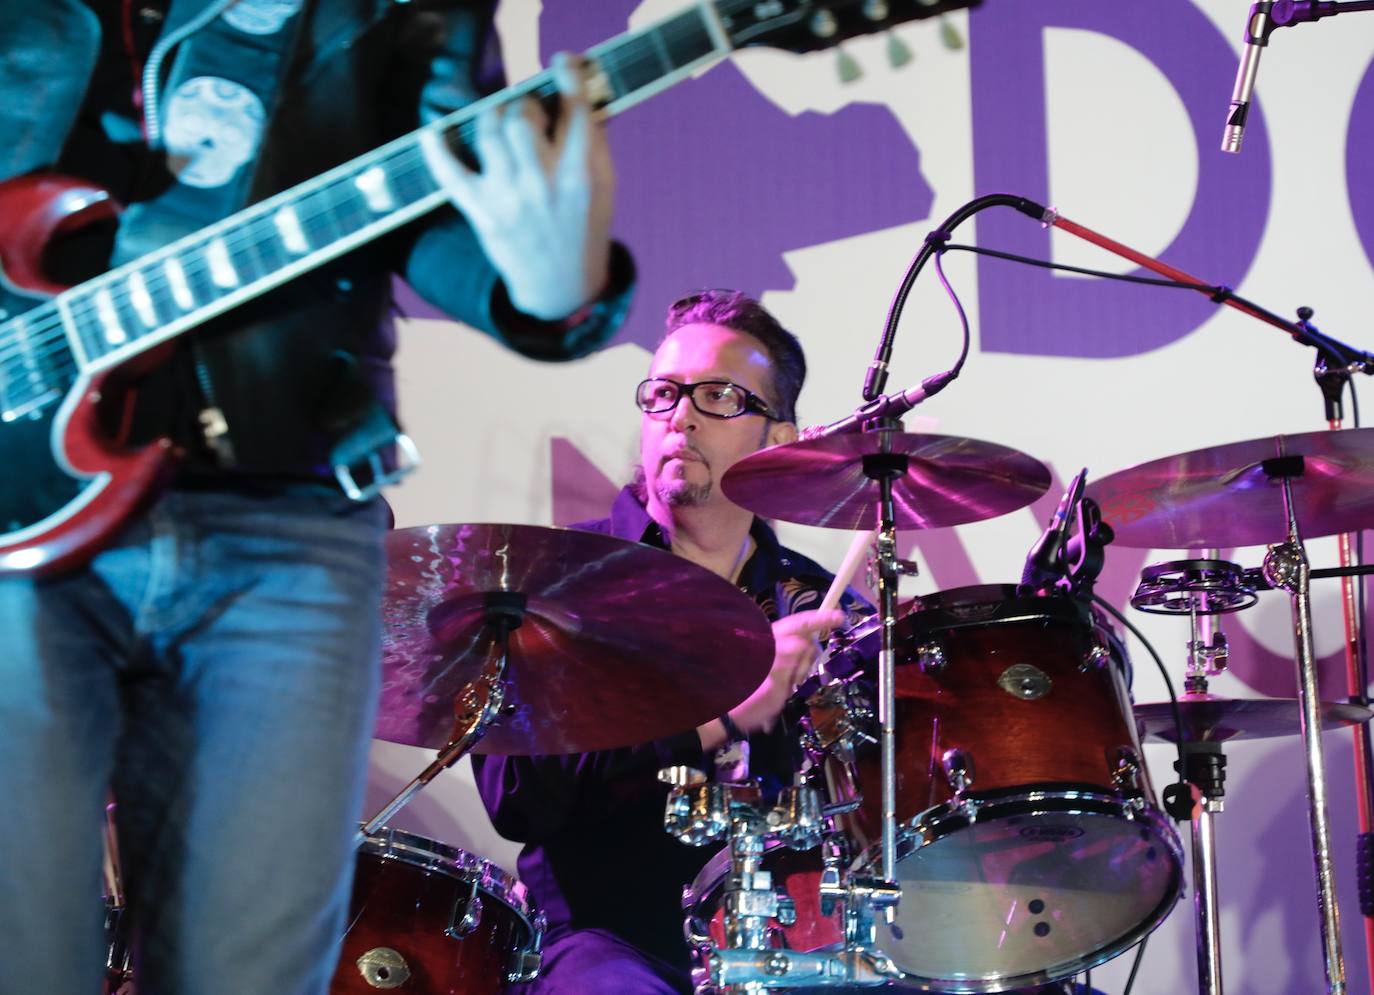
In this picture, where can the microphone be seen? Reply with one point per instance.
(1044, 561)
(1258, 27)
(883, 406)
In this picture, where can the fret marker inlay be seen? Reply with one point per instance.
(176, 280)
(221, 266)
(109, 317)
(375, 191)
(142, 300)
(289, 227)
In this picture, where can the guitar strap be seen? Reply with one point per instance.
(224, 86)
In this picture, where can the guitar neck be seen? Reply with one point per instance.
(145, 302)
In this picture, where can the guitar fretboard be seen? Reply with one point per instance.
(107, 320)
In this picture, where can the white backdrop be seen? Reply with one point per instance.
(1122, 154)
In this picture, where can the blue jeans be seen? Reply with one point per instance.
(216, 668)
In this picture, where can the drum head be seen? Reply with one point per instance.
(1036, 890)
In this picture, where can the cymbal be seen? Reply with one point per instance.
(1222, 496)
(1214, 719)
(948, 481)
(620, 643)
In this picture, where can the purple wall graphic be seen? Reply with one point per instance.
(1030, 311)
(715, 182)
(1359, 162)
(580, 491)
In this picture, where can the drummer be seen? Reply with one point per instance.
(722, 384)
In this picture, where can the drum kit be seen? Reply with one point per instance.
(971, 810)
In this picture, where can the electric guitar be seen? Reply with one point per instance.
(66, 482)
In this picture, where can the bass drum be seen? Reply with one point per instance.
(432, 919)
(1029, 844)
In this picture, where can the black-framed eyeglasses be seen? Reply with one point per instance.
(714, 398)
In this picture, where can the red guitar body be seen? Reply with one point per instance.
(105, 482)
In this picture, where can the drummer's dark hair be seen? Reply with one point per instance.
(737, 310)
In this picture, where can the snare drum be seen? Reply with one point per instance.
(434, 920)
(1029, 846)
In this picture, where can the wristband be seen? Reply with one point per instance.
(733, 733)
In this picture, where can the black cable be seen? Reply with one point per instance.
(1139, 952)
(1150, 281)
(1184, 787)
(963, 318)
(876, 378)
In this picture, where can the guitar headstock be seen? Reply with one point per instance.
(810, 25)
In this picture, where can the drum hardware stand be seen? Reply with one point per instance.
(884, 467)
(1204, 765)
(1332, 371)
(476, 708)
(699, 812)
(1286, 567)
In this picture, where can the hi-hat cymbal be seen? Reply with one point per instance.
(1226, 496)
(620, 643)
(948, 481)
(1208, 718)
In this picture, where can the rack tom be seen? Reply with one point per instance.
(1029, 845)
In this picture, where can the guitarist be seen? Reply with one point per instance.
(215, 664)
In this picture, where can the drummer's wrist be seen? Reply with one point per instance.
(712, 735)
(720, 732)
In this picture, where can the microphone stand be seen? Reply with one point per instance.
(1287, 567)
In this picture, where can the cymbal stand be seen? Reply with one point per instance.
(1332, 371)
(1286, 566)
(476, 708)
(884, 467)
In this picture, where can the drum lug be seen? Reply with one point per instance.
(1097, 654)
(524, 964)
(382, 967)
(930, 657)
(1126, 777)
(832, 886)
(958, 767)
(466, 915)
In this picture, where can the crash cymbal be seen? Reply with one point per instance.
(948, 481)
(620, 643)
(1223, 496)
(1207, 717)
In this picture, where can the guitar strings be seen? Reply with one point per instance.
(38, 340)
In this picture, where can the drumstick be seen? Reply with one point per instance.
(848, 568)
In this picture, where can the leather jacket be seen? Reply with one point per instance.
(297, 370)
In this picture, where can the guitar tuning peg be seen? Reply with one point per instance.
(846, 66)
(950, 36)
(898, 52)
